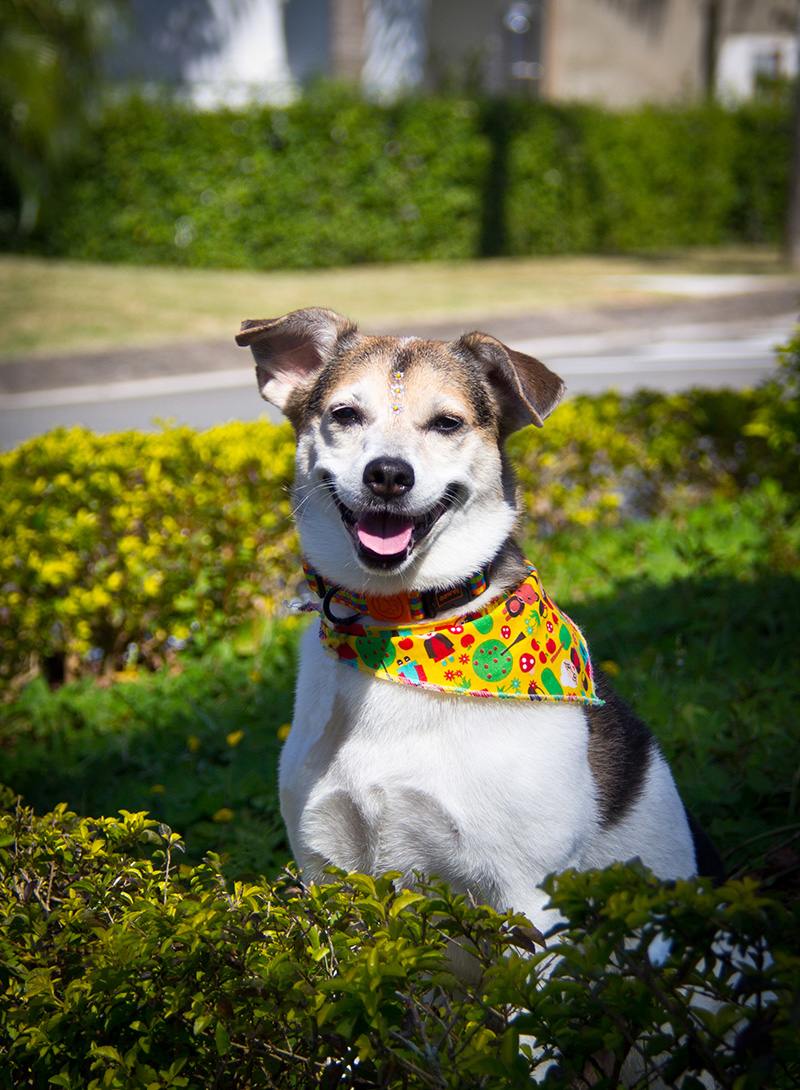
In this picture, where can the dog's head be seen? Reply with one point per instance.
(400, 480)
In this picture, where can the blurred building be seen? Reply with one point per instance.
(757, 40)
(613, 52)
(218, 51)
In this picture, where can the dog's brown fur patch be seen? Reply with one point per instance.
(422, 365)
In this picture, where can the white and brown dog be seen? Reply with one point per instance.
(406, 510)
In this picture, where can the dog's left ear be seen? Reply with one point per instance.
(528, 390)
(289, 350)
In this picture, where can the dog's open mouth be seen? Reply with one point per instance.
(384, 538)
(384, 534)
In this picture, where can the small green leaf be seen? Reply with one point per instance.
(222, 1039)
(200, 1024)
(108, 1052)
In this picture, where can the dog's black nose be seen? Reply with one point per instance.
(388, 478)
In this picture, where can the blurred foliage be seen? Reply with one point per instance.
(49, 66)
(331, 180)
(603, 458)
(580, 179)
(117, 549)
(777, 420)
(121, 968)
(335, 180)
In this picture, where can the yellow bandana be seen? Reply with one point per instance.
(522, 647)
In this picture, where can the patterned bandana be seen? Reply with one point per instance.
(522, 647)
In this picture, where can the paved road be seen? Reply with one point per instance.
(727, 341)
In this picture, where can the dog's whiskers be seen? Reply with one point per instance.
(310, 494)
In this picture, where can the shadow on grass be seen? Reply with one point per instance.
(197, 749)
(711, 664)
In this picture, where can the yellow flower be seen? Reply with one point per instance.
(610, 667)
(223, 816)
(235, 737)
(283, 731)
(114, 581)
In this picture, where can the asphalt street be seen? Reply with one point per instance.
(717, 336)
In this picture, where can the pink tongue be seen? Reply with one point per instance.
(384, 534)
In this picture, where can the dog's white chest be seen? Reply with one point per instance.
(377, 776)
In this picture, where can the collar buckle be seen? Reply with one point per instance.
(395, 608)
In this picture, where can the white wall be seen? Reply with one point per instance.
(743, 57)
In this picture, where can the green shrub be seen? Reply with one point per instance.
(335, 180)
(584, 180)
(601, 459)
(330, 181)
(117, 549)
(776, 420)
(120, 967)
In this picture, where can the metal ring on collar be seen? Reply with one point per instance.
(326, 609)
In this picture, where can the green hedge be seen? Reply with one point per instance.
(122, 968)
(326, 182)
(581, 180)
(334, 180)
(118, 549)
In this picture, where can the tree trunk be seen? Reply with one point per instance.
(792, 246)
(348, 18)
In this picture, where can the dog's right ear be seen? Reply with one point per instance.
(290, 350)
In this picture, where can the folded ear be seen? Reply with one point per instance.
(289, 350)
(528, 390)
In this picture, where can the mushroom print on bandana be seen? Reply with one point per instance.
(521, 647)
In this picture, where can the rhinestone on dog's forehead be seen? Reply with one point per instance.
(417, 369)
(397, 389)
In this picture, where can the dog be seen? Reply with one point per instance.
(448, 721)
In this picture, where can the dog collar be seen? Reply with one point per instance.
(522, 646)
(397, 608)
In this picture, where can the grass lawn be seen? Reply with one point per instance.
(49, 306)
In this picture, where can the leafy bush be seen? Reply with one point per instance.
(776, 420)
(332, 180)
(603, 458)
(119, 548)
(121, 967)
(336, 180)
(581, 179)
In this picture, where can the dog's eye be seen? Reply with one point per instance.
(445, 423)
(345, 414)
